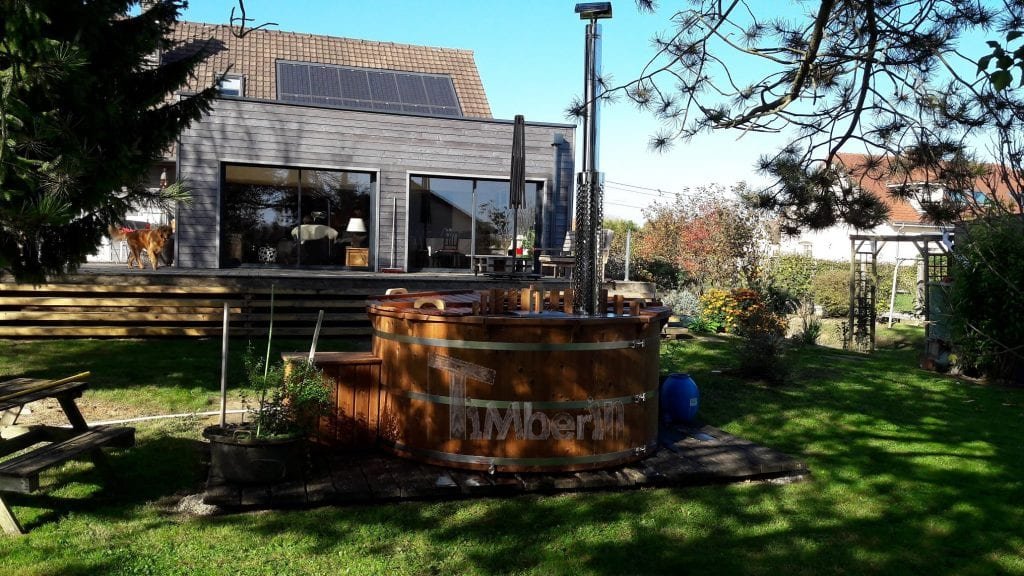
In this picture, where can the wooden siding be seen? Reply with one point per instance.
(392, 145)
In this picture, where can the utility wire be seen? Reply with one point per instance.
(632, 191)
(659, 190)
(609, 202)
(637, 189)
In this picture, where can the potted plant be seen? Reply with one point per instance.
(269, 446)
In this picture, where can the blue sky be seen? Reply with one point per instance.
(530, 57)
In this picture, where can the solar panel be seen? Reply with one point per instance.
(383, 87)
(387, 106)
(410, 89)
(366, 89)
(354, 84)
(293, 79)
(440, 91)
(323, 81)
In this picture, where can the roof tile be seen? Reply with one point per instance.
(254, 56)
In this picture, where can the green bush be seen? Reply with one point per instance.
(810, 326)
(906, 287)
(664, 275)
(831, 290)
(826, 282)
(986, 301)
(700, 325)
(793, 273)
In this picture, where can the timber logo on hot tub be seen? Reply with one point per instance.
(594, 419)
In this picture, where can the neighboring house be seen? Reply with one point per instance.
(906, 217)
(316, 138)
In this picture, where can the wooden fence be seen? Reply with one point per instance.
(79, 310)
(139, 306)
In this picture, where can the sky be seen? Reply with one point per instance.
(530, 57)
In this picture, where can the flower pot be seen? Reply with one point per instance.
(237, 456)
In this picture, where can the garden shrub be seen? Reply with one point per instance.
(718, 310)
(831, 291)
(762, 353)
(701, 325)
(682, 302)
(750, 315)
(810, 326)
(906, 287)
(986, 300)
(793, 273)
(665, 275)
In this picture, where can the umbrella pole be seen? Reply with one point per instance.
(515, 236)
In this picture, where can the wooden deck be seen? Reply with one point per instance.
(688, 457)
(110, 301)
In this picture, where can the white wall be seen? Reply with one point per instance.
(834, 243)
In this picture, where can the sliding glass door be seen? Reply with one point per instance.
(276, 216)
(453, 219)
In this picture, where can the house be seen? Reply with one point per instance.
(337, 152)
(906, 216)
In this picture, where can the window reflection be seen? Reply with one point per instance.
(453, 219)
(292, 217)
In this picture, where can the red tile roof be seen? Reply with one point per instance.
(255, 55)
(879, 175)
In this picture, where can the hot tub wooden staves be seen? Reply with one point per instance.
(510, 381)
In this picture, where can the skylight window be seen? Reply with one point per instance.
(231, 85)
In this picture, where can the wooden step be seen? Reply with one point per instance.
(21, 474)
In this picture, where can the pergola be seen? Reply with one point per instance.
(934, 250)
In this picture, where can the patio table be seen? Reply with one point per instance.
(20, 473)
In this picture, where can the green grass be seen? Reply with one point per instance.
(150, 376)
(912, 473)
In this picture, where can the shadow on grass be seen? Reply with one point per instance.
(913, 473)
(165, 364)
(159, 466)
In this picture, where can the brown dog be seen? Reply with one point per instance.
(151, 240)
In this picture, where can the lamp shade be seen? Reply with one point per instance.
(356, 225)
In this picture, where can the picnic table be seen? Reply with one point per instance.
(46, 446)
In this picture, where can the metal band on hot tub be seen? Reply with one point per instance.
(536, 404)
(502, 461)
(519, 346)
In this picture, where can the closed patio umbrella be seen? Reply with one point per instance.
(517, 181)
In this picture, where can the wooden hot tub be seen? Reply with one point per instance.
(509, 381)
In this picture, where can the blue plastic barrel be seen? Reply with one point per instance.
(680, 398)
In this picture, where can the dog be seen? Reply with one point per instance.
(151, 240)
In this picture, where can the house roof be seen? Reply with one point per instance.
(879, 175)
(255, 56)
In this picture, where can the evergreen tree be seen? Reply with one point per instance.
(894, 80)
(85, 111)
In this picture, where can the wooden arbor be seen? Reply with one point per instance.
(934, 250)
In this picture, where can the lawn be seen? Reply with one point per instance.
(912, 473)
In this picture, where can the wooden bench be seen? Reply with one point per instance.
(20, 474)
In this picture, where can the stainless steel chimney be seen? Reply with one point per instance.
(587, 275)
